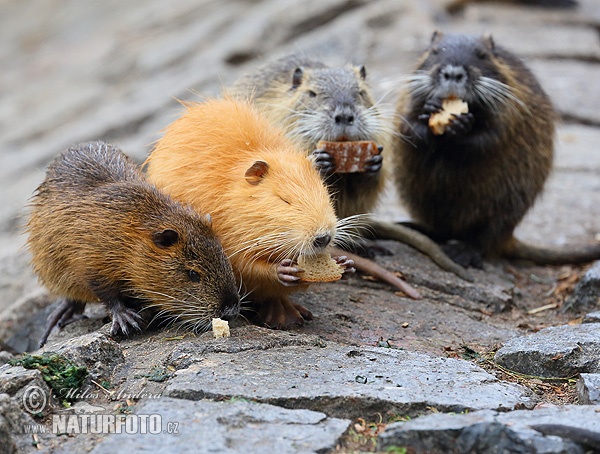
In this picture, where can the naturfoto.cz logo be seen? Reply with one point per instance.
(35, 401)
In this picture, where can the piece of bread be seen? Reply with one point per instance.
(319, 268)
(220, 328)
(440, 120)
(349, 157)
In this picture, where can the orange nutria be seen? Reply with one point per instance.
(267, 202)
(98, 232)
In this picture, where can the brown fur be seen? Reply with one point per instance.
(98, 232)
(477, 184)
(204, 158)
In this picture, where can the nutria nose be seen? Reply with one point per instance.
(321, 241)
(451, 73)
(344, 119)
(230, 307)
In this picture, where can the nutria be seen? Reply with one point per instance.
(98, 232)
(474, 183)
(315, 102)
(268, 203)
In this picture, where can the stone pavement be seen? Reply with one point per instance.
(75, 71)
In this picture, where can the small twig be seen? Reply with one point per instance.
(543, 308)
(108, 393)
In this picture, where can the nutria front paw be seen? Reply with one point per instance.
(283, 314)
(346, 263)
(323, 161)
(430, 107)
(124, 318)
(374, 163)
(287, 273)
(460, 125)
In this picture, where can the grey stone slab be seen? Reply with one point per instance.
(566, 214)
(538, 40)
(587, 13)
(576, 148)
(559, 351)
(96, 351)
(348, 382)
(491, 432)
(571, 86)
(588, 389)
(13, 421)
(15, 378)
(228, 427)
(587, 291)
(592, 317)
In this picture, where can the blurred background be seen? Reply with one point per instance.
(73, 71)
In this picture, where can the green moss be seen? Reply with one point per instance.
(61, 374)
(158, 374)
(395, 450)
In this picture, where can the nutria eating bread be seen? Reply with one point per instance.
(475, 181)
(98, 232)
(268, 203)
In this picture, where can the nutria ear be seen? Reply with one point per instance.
(297, 77)
(489, 41)
(256, 172)
(207, 219)
(166, 238)
(362, 71)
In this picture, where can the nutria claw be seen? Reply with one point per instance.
(284, 314)
(460, 124)
(346, 263)
(287, 273)
(374, 163)
(323, 161)
(123, 318)
(431, 106)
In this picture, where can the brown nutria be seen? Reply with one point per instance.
(312, 102)
(98, 232)
(268, 203)
(474, 183)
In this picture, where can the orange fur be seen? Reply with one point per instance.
(202, 160)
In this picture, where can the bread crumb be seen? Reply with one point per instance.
(220, 328)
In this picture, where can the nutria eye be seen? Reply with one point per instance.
(193, 275)
(312, 94)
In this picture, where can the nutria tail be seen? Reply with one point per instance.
(389, 231)
(517, 250)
